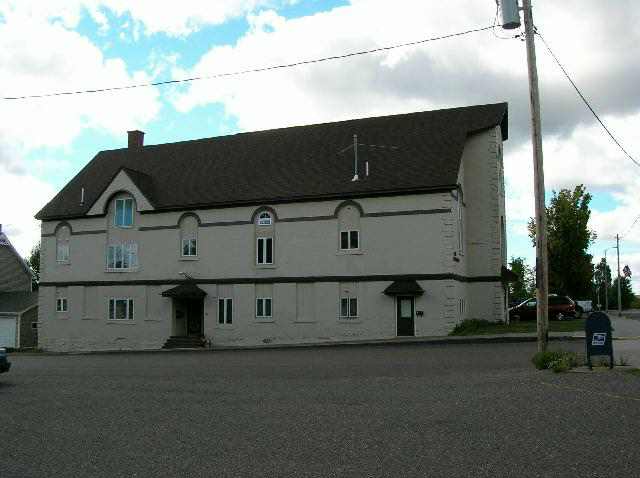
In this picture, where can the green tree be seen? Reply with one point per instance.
(33, 261)
(626, 293)
(569, 238)
(601, 282)
(524, 287)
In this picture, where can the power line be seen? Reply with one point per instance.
(585, 100)
(632, 224)
(245, 72)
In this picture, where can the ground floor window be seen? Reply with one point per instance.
(348, 307)
(61, 304)
(263, 307)
(225, 311)
(121, 309)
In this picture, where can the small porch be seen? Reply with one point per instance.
(187, 327)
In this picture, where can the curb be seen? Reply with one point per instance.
(428, 341)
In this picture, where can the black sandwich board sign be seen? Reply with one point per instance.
(598, 334)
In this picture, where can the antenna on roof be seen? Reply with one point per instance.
(355, 158)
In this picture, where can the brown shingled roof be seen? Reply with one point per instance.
(407, 152)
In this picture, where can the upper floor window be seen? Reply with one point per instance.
(62, 250)
(264, 253)
(121, 309)
(189, 236)
(122, 256)
(123, 212)
(62, 244)
(349, 228)
(460, 222)
(189, 247)
(349, 240)
(61, 304)
(265, 219)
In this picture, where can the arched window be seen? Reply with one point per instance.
(265, 219)
(62, 245)
(349, 237)
(265, 232)
(189, 236)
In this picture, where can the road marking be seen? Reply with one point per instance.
(577, 389)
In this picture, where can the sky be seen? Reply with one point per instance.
(62, 45)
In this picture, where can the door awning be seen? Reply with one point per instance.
(404, 287)
(188, 290)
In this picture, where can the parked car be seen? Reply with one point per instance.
(583, 306)
(5, 365)
(560, 307)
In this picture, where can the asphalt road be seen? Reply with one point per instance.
(400, 410)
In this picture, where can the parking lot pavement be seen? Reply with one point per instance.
(392, 410)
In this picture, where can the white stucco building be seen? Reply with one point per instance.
(266, 238)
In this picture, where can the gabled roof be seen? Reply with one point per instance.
(17, 302)
(406, 153)
(188, 290)
(142, 181)
(5, 242)
(404, 287)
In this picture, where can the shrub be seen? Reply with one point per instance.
(556, 360)
(470, 326)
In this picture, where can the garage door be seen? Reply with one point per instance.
(7, 331)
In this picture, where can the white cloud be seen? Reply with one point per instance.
(175, 18)
(39, 57)
(22, 196)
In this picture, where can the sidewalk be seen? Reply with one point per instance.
(626, 334)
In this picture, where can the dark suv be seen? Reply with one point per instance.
(5, 365)
(560, 307)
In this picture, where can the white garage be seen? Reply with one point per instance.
(8, 331)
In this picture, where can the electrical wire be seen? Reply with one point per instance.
(575, 87)
(248, 71)
(635, 221)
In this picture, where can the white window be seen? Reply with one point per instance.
(225, 311)
(189, 247)
(123, 213)
(62, 250)
(349, 240)
(122, 256)
(264, 253)
(263, 307)
(121, 309)
(264, 219)
(349, 307)
(61, 304)
(460, 222)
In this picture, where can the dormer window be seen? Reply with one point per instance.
(123, 213)
(264, 219)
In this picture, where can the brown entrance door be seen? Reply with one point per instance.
(195, 310)
(405, 315)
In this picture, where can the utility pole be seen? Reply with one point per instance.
(542, 274)
(619, 289)
(510, 20)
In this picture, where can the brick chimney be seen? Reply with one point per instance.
(136, 138)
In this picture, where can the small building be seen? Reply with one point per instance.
(18, 303)
(354, 230)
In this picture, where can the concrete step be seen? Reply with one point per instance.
(177, 342)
